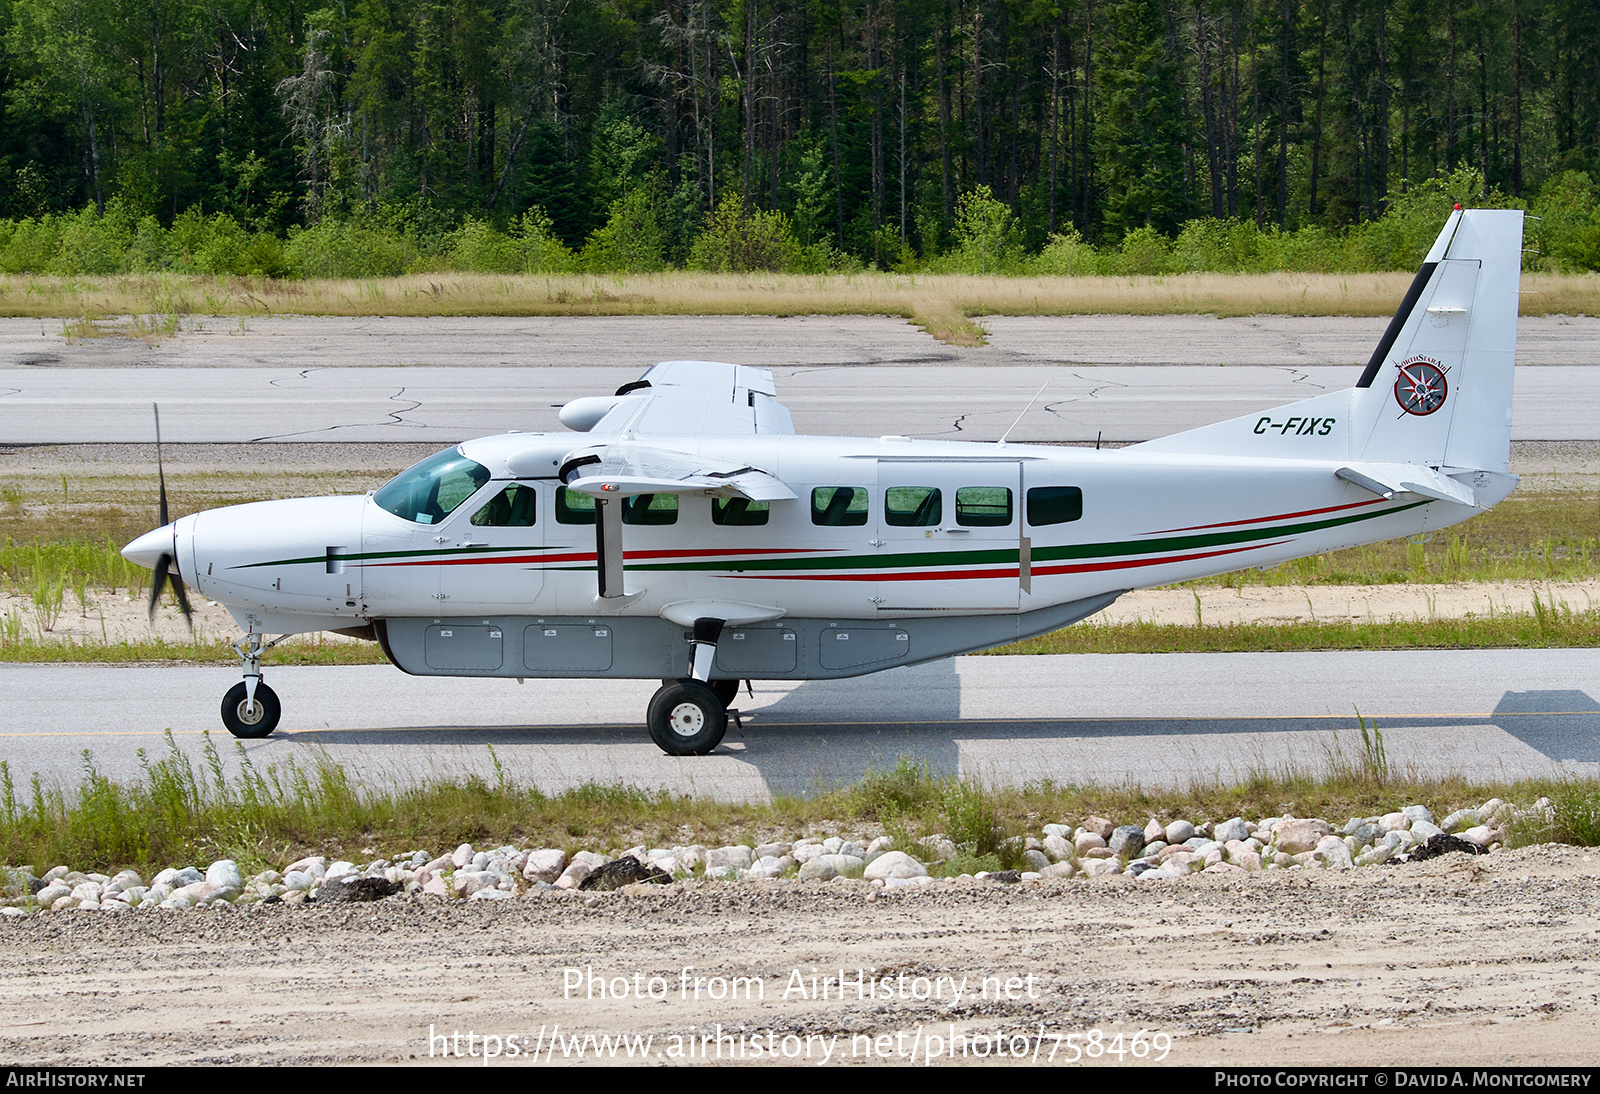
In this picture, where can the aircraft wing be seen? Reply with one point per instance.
(676, 398)
(622, 468)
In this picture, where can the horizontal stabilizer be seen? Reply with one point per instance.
(1388, 479)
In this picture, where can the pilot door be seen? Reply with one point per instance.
(948, 535)
(492, 562)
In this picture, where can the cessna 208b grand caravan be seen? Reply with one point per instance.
(690, 536)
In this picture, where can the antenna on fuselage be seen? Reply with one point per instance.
(1025, 410)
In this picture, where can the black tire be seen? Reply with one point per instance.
(687, 718)
(727, 691)
(251, 724)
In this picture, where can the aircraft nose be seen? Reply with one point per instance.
(147, 550)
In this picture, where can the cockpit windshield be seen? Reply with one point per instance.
(430, 491)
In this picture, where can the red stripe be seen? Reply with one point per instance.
(1260, 520)
(1037, 571)
(491, 560)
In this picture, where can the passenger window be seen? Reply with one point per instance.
(1054, 504)
(741, 512)
(573, 507)
(839, 506)
(650, 509)
(983, 506)
(514, 507)
(913, 506)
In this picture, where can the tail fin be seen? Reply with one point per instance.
(1437, 390)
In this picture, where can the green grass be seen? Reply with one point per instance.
(181, 812)
(1549, 627)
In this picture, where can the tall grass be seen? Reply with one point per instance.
(183, 810)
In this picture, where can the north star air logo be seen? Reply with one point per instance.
(1420, 388)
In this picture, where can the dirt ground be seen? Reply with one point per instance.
(119, 617)
(1461, 961)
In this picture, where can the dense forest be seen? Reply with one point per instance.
(800, 134)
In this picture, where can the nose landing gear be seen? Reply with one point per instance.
(251, 710)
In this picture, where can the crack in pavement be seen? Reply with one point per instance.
(303, 374)
(1299, 376)
(1092, 393)
(10, 391)
(395, 419)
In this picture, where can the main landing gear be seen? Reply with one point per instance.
(251, 709)
(688, 717)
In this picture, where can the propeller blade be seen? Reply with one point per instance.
(162, 564)
(160, 471)
(183, 600)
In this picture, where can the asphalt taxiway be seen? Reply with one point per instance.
(1155, 720)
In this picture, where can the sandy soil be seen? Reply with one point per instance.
(1460, 961)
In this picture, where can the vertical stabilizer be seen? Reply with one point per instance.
(1438, 389)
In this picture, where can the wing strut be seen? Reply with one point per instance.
(608, 546)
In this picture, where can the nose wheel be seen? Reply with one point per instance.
(251, 718)
(251, 709)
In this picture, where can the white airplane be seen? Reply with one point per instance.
(690, 536)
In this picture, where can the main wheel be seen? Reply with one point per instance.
(687, 718)
(251, 721)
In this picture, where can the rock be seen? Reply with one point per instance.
(357, 890)
(770, 866)
(1059, 849)
(1154, 830)
(895, 864)
(623, 871)
(545, 864)
(1086, 841)
(738, 858)
(1418, 813)
(1461, 818)
(1442, 844)
(1099, 826)
(1425, 830)
(1295, 837)
(1035, 860)
(827, 867)
(1127, 840)
(1333, 852)
(1176, 832)
(224, 874)
(1232, 829)
(462, 857)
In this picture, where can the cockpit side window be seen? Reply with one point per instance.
(573, 507)
(431, 491)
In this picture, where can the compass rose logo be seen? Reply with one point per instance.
(1421, 387)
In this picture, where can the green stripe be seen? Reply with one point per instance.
(924, 559)
(443, 552)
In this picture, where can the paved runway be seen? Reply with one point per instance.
(304, 378)
(1149, 719)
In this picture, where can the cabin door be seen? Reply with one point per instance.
(948, 535)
